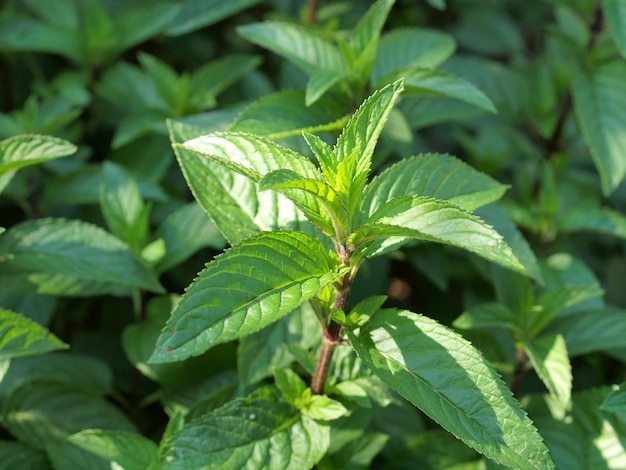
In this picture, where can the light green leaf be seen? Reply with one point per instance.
(366, 33)
(131, 451)
(316, 199)
(600, 220)
(259, 352)
(23, 150)
(447, 378)
(196, 14)
(548, 356)
(290, 385)
(123, 209)
(20, 336)
(243, 290)
(600, 105)
(68, 257)
(615, 15)
(260, 431)
(435, 83)
(324, 154)
(355, 146)
(322, 408)
(231, 199)
(488, 315)
(302, 46)
(404, 48)
(428, 219)
(435, 176)
(591, 330)
(284, 114)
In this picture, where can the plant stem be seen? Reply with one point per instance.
(311, 12)
(330, 340)
(518, 373)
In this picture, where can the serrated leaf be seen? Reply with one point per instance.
(129, 450)
(68, 257)
(591, 330)
(20, 336)
(260, 431)
(615, 14)
(259, 352)
(243, 290)
(435, 176)
(324, 154)
(231, 200)
(548, 356)
(599, 220)
(23, 150)
(196, 14)
(284, 114)
(447, 378)
(316, 199)
(302, 46)
(436, 83)
(600, 105)
(122, 206)
(184, 232)
(433, 220)
(409, 47)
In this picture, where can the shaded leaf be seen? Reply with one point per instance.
(196, 14)
(366, 33)
(68, 257)
(548, 356)
(447, 378)
(243, 290)
(487, 315)
(600, 220)
(260, 431)
(600, 105)
(129, 450)
(615, 14)
(20, 336)
(17, 455)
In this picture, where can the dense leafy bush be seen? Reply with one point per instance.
(329, 170)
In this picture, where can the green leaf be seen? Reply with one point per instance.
(599, 220)
(231, 199)
(259, 352)
(122, 206)
(591, 330)
(434, 176)
(284, 114)
(435, 83)
(131, 451)
(322, 408)
(260, 431)
(366, 33)
(488, 315)
(355, 146)
(320, 82)
(184, 232)
(243, 290)
(20, 336)
(304, 47)
(68, 257)
(24, 150)
(17, 455)
(196, 14)
(411, 47)
(447, 378)
(428, 219)
(600, 105)
(615, 15)
(290, 385)
(548, 356)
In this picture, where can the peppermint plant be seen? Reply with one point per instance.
(300, 230)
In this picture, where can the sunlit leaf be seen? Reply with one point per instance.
(548, 356)
(129, 450)
(24, 150)
(20, 336)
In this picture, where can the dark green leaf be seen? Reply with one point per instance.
(447, 378)
(487, 315)
(600, 104)
(284, 114)
(600, 220)
(131, 451)
(243, 290)
(260, 431)
(196, 14)
(615, 14)
(63, 257)
(17, 455)
(20, 336)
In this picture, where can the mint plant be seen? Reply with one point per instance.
(265, 276)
